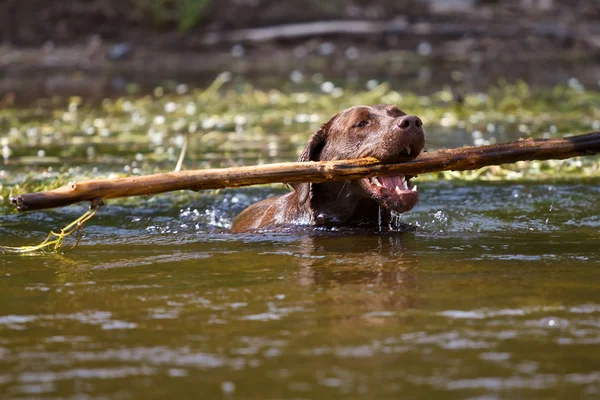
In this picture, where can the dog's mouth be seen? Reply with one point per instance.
(396, 193)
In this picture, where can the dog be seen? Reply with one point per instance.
(381, 131)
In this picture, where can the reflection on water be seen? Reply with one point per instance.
(493, 296)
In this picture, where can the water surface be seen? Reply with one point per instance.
(494, 296)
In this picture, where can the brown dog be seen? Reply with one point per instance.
(381, 131)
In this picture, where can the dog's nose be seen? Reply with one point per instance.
(409, 122)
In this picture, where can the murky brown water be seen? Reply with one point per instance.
(493, 297)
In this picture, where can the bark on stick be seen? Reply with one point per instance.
(466, 158)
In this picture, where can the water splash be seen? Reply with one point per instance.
(395, 223)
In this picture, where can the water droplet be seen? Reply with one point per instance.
(352, 53)
(575, 84)
(6, 152)
(170, 107)
(326, 48)
(301, 98)
(424, 49)
(240, 120)
(523, 128)
(327, 87)
(296, 76)
(372, 84)
(238, 51)
(337, 92)
(181, 88)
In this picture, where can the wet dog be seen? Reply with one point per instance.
(381, 131)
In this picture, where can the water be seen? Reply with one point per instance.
(494, 296)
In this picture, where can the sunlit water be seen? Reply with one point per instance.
(494, 296)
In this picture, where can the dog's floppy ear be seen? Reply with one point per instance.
(311, 152)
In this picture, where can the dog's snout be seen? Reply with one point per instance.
(409, 122)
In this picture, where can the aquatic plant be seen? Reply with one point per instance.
(232, 123)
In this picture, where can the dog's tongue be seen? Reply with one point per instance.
(391, 182)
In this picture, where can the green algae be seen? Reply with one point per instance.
(232, 123)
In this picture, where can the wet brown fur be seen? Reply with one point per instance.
(338, 204)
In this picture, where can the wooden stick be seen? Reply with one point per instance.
(462, 159)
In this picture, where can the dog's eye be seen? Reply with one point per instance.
(361, 124)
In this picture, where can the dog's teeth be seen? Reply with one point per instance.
(414, 188)
(407, 150)
(376, 181)
(397, 190)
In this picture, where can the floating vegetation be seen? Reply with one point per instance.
(528, 170)
(231, 123)
(54, 242)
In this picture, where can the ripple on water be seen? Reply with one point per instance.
(86, 373)
(98, 318)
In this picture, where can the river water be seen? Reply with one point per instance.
(495, 295)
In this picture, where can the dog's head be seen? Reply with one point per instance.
(381, 131)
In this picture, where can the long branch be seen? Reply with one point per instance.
(466, 158)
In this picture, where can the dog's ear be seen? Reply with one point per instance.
(317, 141)
(312, 152)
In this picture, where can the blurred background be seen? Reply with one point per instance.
(98, 47)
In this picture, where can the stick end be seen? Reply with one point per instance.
(19, 203)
